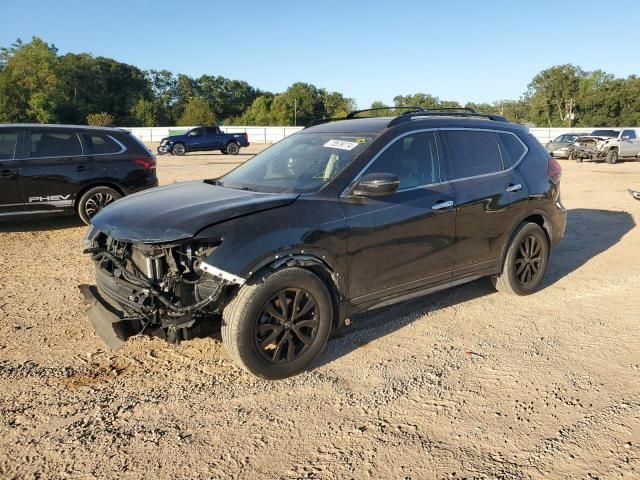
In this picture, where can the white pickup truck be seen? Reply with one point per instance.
(608, 145)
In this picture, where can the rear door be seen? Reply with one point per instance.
(213, 138)
(490, 194)
(11, 200)
(55, 169)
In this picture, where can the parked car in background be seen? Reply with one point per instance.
(202, 139)
(607, 145)
(65, 169)
(340, 218)
(560, 147)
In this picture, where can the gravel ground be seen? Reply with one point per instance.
(467, 383)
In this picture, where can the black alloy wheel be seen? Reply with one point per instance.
(287, 325)
(529, 260)
(525, 262)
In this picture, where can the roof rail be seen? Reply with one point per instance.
(451, 109)
(411, 109)
(446, 113)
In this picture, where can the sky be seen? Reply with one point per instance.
(479, 51)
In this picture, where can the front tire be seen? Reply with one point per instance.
(525, 263)
(612, 156)
(278, 324)
(94, 200)
(233, 148)
(179, 149)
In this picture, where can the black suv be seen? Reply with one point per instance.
(340, 218)
(63, 169)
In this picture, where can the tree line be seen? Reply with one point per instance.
(37, 84)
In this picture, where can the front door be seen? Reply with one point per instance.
(489, 193)
(55, 169)
(402, 241)
(11, 200)
(629, 143)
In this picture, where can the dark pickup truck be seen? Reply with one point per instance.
(204, 138)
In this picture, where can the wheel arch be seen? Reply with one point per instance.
(538, 217)
(316, 265)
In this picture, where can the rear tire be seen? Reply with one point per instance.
(179, 149)
(526, 261)
(233, 148)
(94, 200)
(612, 156)
(271, 341)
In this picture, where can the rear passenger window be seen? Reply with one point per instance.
(473, 153)
(511, 149)
(414, 159)
(54, 144)
(8, 145)
(99, 144)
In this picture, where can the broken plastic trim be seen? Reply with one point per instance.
(221, 274)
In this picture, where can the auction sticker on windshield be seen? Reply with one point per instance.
(341, 144)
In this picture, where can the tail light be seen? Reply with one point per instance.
(246, 137)
(554, 170)
(147, 163)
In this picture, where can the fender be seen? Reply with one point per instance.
(546, 226)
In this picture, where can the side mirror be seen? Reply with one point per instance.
(376, 185)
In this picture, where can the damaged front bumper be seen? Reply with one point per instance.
(167, 290)
(109, 324)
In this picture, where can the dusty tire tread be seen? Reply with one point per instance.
(233, 329)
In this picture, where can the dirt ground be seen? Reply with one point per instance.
(551, 390)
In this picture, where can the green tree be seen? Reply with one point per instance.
(30, 87)
(197, 112)
(553, 95)
(144, 113)
(102, 119)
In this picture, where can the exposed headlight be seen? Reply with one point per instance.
(90, 236)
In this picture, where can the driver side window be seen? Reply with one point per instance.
(196, 132)
(413, 159)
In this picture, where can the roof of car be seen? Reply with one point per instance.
(52, 125)
(378, 124)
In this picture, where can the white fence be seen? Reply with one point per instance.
(545, 135)
(274, 134)
(255, 134)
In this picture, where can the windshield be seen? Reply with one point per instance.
(604, 133)
(301, 163)
(567, 138)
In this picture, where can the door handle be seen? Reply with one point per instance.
(442, 205)
(7, 174)
(81, 168)
(514, 187)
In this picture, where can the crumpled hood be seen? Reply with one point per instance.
(180, 210)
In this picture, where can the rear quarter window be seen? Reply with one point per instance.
(511, 149)
(100, 144)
